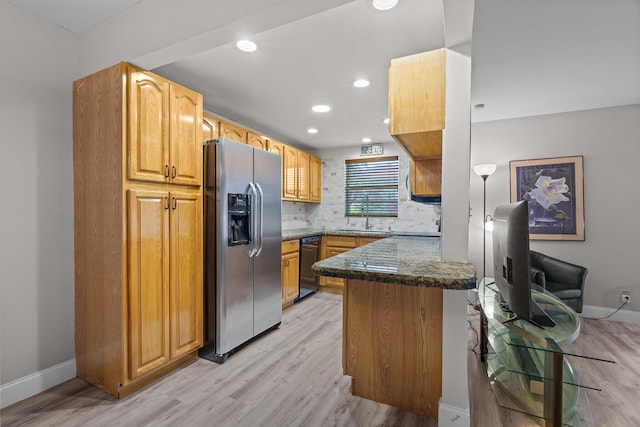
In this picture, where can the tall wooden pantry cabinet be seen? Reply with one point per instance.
(137, 154)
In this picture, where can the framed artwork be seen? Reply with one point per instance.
(554, 189)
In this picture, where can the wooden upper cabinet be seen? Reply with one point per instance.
(426, 177)
(165, 131)
(209, 128)
(232, 131)
(289, 173)
(315, 179)
(149, 121)
(275, 147)
(186, 145)
(417, 102)
(303, 175)
(256, 140)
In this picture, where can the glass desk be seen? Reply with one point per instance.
(529, 368)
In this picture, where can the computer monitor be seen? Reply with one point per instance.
(511, 263)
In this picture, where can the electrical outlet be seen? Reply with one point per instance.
(625, 296)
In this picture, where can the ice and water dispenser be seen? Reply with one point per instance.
(239, 211)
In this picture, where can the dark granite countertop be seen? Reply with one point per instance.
(306, 232)
(407, 260)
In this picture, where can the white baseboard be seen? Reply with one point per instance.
(452, 416)
(37, 382)
(594, 312)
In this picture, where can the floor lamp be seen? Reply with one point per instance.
(484, 171)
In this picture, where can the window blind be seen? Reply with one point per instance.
(371, 187)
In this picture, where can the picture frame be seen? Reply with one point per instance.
(554, 189)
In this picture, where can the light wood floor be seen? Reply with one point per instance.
(293, 377)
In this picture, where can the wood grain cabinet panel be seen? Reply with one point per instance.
(186, 146)
(303, 175)
(186, 278)
(165, 122)
(256, 141)
(138, 227)
(315, 179)
(290, 271)
(232, 131)
(289, 173)
(426, 177)
(148, 249)
(209, 127)
(417, 96)
(275, 147)
(148, 127)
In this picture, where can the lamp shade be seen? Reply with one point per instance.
(484, 170)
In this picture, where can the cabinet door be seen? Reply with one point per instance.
(289, 173)
(417, 93)
(148, 281)
(426, 177)
(334, 282)
(186, 273)
(275, 147)
(209, 128)
(303, 175)
(186, 134)
(315, 179)
(257, 141)
(148, 139)
(231, 131)
(290, 273)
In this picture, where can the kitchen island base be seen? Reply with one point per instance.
(392, 344)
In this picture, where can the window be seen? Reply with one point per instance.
(371, 187)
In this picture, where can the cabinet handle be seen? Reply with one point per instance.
(166, 203)
(173, 171)
(175, 203)
(166, 171)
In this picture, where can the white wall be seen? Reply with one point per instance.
(412, 216)
(36, 222)
(609, 140)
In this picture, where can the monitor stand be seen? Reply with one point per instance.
(540, 317)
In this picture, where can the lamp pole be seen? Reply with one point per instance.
(484, 171)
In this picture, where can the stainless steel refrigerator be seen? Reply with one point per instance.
(243, 238)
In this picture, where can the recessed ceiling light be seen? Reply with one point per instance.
(361, 83)
(384, 4)
(321, 108)
(386, 121)
(366, 139)
(246, 46)
(312, 130)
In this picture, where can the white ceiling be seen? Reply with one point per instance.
(529, 58)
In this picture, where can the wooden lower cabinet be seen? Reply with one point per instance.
(336, 245)
(164, 242)
(290, 272)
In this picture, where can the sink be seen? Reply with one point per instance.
(360, 230)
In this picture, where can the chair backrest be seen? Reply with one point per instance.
(564, 274)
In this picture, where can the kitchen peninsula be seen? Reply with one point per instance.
(392, 318)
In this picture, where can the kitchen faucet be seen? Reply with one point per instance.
(367, 226)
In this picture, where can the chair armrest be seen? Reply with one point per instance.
(537, 276)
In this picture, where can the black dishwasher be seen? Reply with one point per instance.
(309, 254)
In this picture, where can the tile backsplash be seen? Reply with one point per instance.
(412, 216)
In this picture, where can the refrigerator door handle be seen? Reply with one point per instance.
(261, 218)
(254, 221)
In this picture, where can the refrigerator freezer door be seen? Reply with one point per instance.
(234, 289)
(267, 262)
